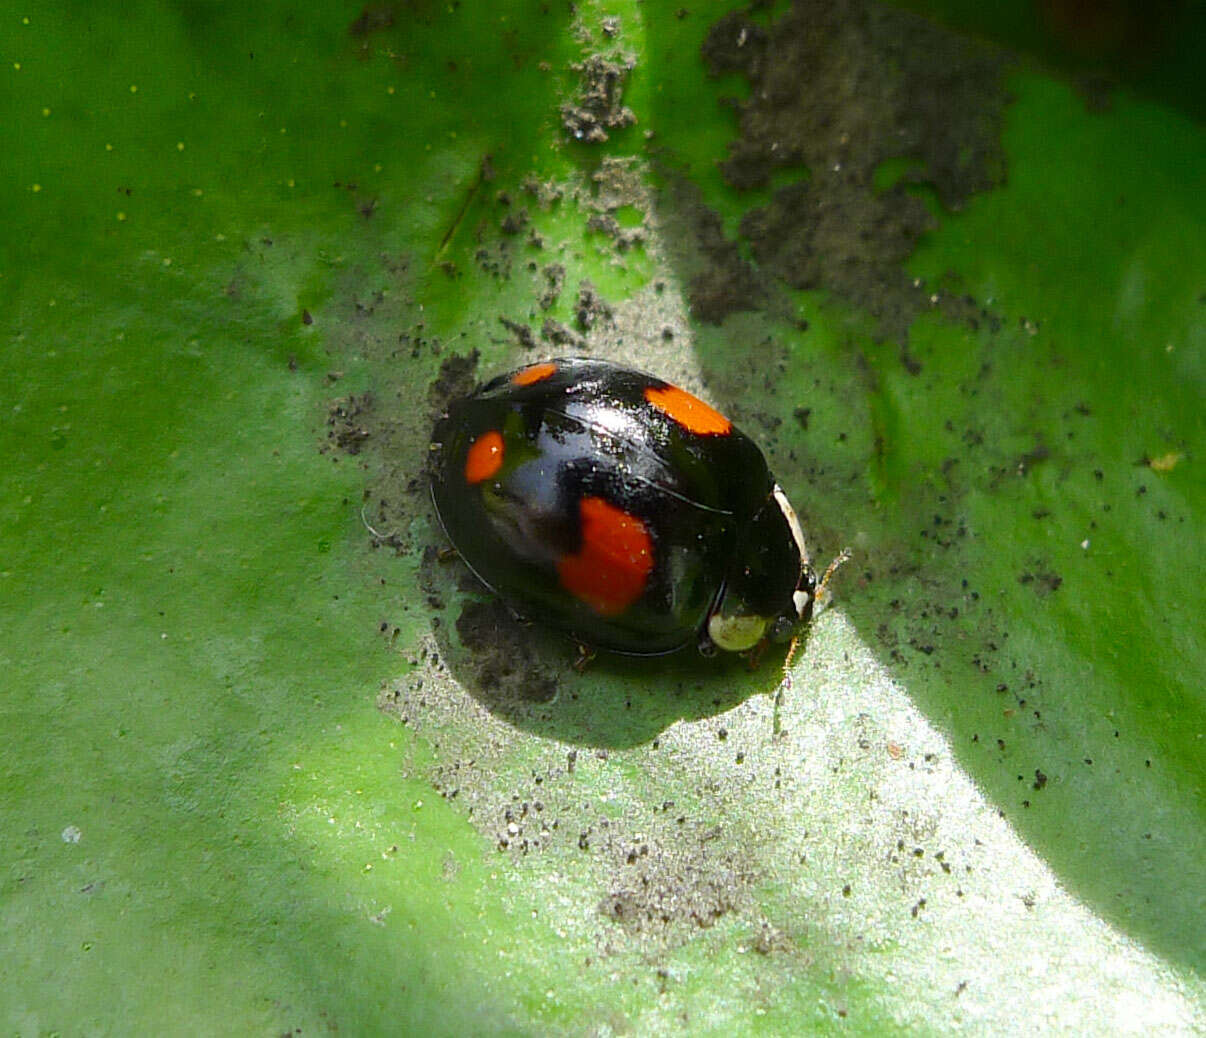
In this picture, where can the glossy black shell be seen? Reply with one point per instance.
(588, 430)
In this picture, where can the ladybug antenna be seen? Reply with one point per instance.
(821, 596)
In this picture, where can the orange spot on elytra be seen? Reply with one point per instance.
(485, 457)
(611, 568)
(689, 411)
(534, 373)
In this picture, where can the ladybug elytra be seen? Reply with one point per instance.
(622, 509)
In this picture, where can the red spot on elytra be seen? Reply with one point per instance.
(689, 411)
(610, 570)
(534, 373)
(485, 457)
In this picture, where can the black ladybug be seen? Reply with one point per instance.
(622, 509)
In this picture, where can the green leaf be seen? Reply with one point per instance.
(269, 764)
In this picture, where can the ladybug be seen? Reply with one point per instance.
(621, 509)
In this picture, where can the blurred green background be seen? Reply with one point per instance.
(255, 776)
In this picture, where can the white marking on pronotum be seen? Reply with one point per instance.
(800, 599)
(789, 514)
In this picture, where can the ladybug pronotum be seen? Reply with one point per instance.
(621, 509)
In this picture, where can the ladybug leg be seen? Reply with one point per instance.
(791, 654)
(753, 657)
(822, 595)
(520, 618)
(585, 655)
(784, 686)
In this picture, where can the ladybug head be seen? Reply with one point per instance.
(770, 587)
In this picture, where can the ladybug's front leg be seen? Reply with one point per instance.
(585, 655)
(753, 657)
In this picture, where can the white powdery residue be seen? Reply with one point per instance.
(633, 337)
(874, 835)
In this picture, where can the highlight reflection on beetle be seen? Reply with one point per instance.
(622, 509)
